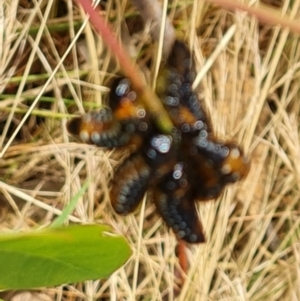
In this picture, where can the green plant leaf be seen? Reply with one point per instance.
(60, 255)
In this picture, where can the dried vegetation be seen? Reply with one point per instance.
(52, 65)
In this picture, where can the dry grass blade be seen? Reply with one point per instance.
(252, 91)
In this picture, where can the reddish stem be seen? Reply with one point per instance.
(180, 274)
(137, 78)
(262, 12)
(181, 253)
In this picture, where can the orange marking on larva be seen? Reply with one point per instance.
(186, 115)
(239, 164)
(98, 127)
(125, 110)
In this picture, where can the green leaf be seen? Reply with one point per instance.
(60, 255)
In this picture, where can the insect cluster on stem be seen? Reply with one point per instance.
(179, 169)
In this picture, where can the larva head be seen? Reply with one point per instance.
(73, 126)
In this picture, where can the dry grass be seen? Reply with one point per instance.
(252, 91)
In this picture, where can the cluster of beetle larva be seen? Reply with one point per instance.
(180, 169)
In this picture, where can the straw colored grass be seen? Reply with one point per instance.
(248, 76)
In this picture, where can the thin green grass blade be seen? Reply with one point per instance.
(59, 221)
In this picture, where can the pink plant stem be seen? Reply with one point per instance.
(149, 98)
(263, 13)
